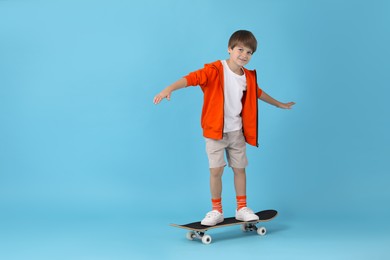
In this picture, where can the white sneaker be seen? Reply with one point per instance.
(212, 218)
(246, 214)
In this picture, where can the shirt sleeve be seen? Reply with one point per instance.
(259, 91)
(196, 78)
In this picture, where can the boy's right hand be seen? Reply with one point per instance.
(166, 93)
(163, 94)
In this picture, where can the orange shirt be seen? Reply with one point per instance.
(211, 80)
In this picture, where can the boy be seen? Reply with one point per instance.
(229, 118)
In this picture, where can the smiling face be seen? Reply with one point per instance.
(240, 55)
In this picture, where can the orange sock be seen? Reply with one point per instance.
(217, 204)
(241, 202)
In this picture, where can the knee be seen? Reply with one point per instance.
(216, 172)
(239, 171)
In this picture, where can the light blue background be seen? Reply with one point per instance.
(91, 169)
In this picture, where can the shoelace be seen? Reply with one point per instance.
(211, 214)
(246, 211)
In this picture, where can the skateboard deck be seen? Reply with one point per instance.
(197, 230)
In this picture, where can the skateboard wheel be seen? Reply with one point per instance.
(206, 239)
(244, 228)
(261, 231)
(190, 235)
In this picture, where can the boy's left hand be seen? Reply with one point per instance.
(286, 105)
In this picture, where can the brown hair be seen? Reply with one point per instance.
(244, 37)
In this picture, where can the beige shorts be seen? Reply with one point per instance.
(234, 145)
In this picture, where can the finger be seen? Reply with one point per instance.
(156, 100)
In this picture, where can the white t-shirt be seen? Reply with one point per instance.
(234, 87)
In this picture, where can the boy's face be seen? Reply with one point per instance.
(240, 55)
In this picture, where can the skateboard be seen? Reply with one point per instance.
(198, 231)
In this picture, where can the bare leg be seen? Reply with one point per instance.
(216, 182)
(240, 181)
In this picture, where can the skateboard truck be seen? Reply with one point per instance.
(252, 227)
(206, 239)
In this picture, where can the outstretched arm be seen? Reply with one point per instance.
(270, 100)
(166, 93)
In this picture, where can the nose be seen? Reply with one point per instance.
(244, 55)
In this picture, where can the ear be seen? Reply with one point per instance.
(230, 50)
